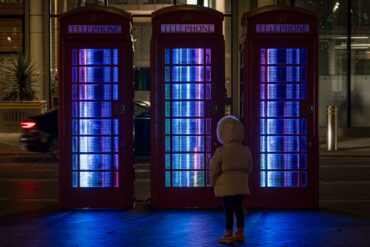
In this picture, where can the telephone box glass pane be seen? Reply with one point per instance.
(187, 87)
(95, 57)
(188, 161)
(95, 109)
(95, 161)
(187, 126)
(187, 91)
(95, 92)
(283, 74)
(283, 141)
(95, 74)
(188, 56)
(188, 109)
(95, 132)
(187, 73)
(95, 179)
(95, 127)
(187, 179)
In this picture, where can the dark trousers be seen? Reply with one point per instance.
(234, 206)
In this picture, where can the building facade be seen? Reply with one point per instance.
(344, 31)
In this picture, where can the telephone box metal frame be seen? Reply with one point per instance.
(96, 34)
(172, 40)
(275, 32)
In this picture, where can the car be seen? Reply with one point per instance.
(40, 132)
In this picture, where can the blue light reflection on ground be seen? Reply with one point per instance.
(183, 228)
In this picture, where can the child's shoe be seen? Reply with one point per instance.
(227, 239)
(239, 237)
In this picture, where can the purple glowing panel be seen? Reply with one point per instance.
(187, 73)
(263, 74)
(187, 126)
(187, 161)
(95, 109)
(188, 56)
(74, 92)
(208, 91)
(208, 56)
(187, 179)
(94, 92)
(95, 161)
(208, 73)
(74, 74)
(262, 91)
(74, 56)
(116, 179)
(187, 144)
(95, 57)
(91, 144)
(187, 91)
(95, 74)
(188, 109)
(95, 127)
(208, 126)
(263, 56)
(95, 179)
(115, 162)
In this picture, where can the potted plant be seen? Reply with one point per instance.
(18, 96)
(19, 71)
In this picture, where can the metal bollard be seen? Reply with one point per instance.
(332, 135)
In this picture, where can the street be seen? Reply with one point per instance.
(28, 182)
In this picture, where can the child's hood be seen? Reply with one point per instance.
(230, 129)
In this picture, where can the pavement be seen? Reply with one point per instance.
(335, 224)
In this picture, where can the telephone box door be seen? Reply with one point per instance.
(95, 118)
(187, 101)
(281, 59)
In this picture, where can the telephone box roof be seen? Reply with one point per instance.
(111, 10)
(185, 8)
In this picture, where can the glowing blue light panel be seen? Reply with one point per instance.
(95, 158)
(187, 92)
(283, 141)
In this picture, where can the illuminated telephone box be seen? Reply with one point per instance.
(281, 106)
(187, 100)
(96, 108)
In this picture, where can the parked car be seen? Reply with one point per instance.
(41, 131)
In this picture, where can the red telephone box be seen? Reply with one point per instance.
(281, 106)
(96, 108)
(187, 99)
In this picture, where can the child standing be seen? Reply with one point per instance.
(231, 164)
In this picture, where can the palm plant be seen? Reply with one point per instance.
(19, 71)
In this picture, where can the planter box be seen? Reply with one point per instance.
(13, 112)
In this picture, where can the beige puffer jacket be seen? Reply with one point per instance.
(232, 163)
